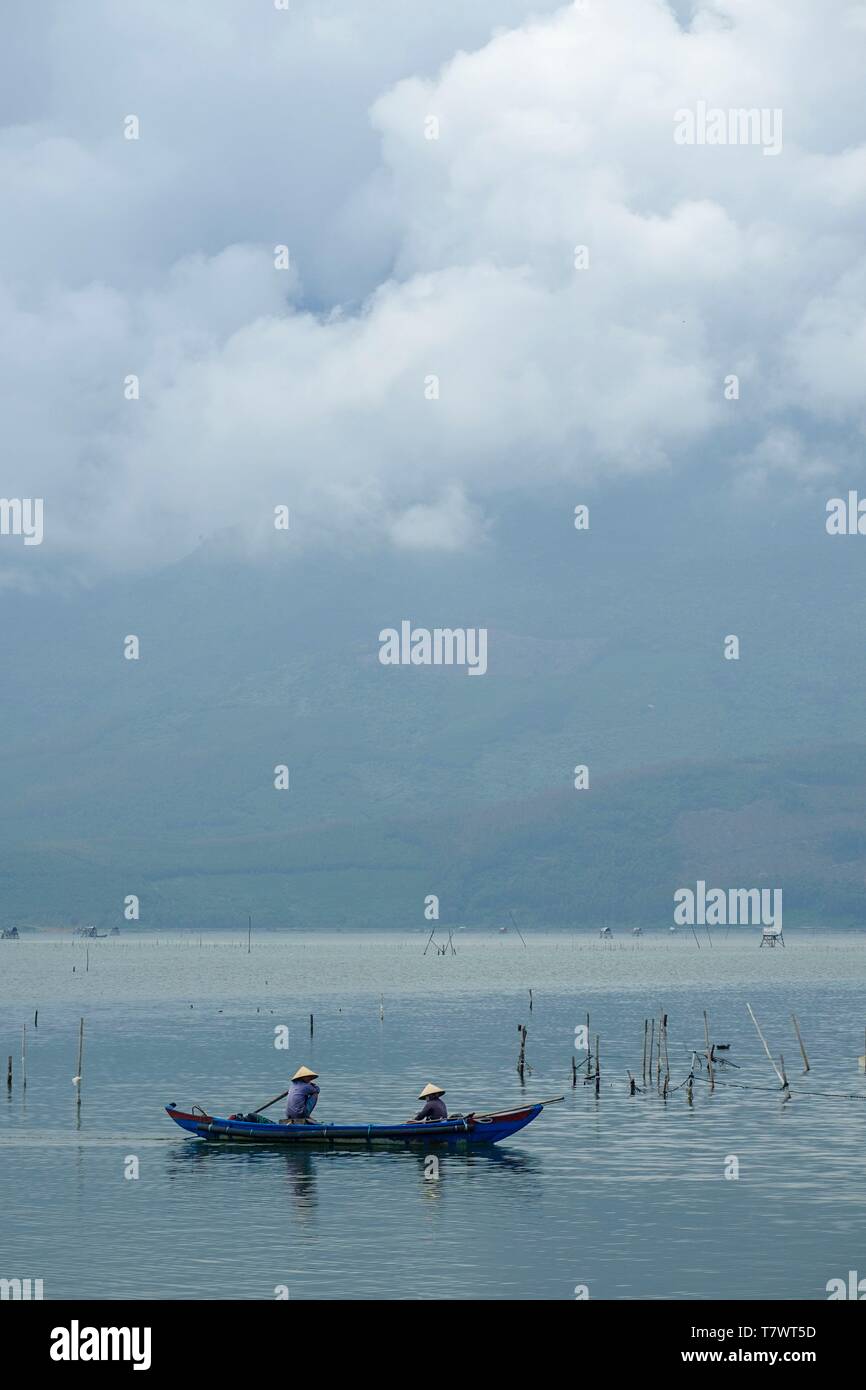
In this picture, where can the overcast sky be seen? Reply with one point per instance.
(412, 257)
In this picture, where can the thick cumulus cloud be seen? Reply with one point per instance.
(503, 267)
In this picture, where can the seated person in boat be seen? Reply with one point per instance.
(434, 1107)
(301, 1097)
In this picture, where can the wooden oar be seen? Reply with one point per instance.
(552, 1101)
(269, 1104)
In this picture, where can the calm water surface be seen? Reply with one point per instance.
(626, 1195)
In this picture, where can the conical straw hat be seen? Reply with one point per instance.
(431, 1090)
(304, 1074)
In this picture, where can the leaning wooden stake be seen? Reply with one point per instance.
(766, 1049)
(800, 1041)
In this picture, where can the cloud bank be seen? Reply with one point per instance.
(503, 270)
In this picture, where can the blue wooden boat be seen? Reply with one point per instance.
(472, 1129)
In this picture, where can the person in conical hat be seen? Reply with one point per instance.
(301, 1098)
(434, 1107)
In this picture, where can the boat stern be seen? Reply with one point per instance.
(195, 1123)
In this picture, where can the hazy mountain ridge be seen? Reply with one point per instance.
(156, 777)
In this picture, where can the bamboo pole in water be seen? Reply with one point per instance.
(710, 1072)
(76, 1080)
(652, 1038)
(643, 1069)
(24, 1056)
(597, 1066)
(784, 1078)
(9, 1075)
(764, 1041)
(800, 1041)
(659, 1058)
(521, 1056)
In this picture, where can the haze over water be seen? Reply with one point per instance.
(626, 1195)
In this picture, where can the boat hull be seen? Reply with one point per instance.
(489, 1129)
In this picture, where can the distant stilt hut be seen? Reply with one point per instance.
(771, 936)
(605, 931)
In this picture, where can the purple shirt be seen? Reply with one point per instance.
(301, 1099)
(434, 1109)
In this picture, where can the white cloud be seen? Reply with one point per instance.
(452, 257)
(449, 523)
